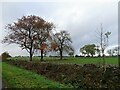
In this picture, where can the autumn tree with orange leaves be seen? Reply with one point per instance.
(43, 36)
(30, 33)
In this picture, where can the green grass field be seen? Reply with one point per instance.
(14, 77)
(72, 60)
(88, 60)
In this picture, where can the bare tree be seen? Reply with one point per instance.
(104, 37)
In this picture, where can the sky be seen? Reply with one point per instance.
(82, 19)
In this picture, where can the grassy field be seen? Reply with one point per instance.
(88, 60)
(14, 77)
(72, 60)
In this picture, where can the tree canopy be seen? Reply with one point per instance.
(27, 31)
(62, 43)
(88, 50)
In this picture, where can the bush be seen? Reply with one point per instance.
(5, 55)
(76, 55)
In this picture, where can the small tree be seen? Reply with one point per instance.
(62, 42)
(89, 49)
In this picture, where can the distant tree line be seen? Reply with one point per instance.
(113, 51)
(91, 50)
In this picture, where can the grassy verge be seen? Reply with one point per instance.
(14, 77)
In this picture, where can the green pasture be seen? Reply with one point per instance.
(73, 60)
(14, 77)
(87, 60)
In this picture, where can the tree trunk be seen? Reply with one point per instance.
(103, 60)
(41, 55)
(61, 54)
(31, 55)
(92, 55)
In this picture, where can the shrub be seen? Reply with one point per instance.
(5, 55)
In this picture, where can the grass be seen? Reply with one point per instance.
(72, 60)
(0, 68)
(14, 77)
(88, 60)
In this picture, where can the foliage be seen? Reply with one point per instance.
(5, 55)
(62, 42)
(14, 77)
(43, 37)
(113, 52)
(27, 31)
(89, 49)
(86, 76)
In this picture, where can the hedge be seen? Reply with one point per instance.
(86, 76)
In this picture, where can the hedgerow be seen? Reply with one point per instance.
(86, 76)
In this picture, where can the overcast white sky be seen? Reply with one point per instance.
(81, 19)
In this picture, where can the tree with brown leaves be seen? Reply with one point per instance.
(27, 32)
(62, 42)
